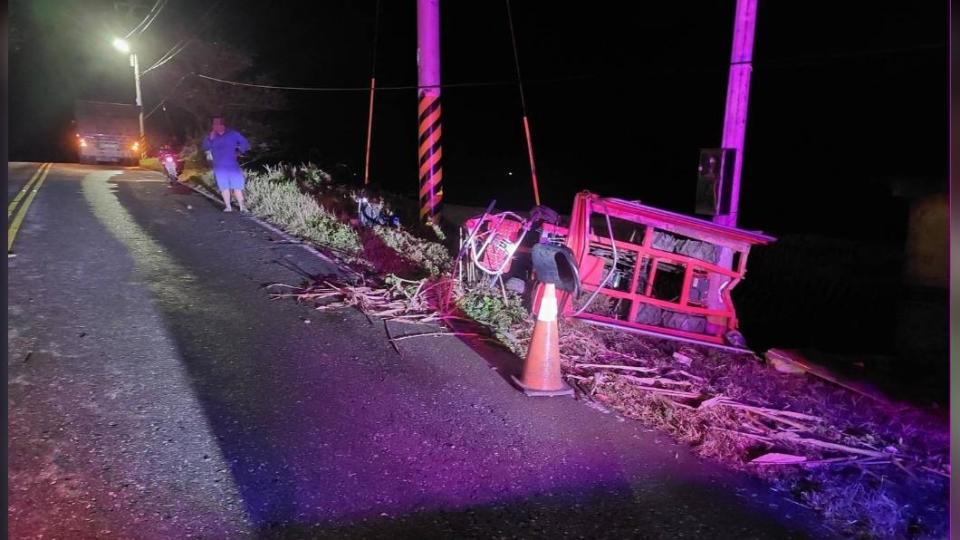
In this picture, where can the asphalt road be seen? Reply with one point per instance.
(155, 391)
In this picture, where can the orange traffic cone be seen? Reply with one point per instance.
(541, 371)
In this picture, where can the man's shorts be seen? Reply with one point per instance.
(228, 178)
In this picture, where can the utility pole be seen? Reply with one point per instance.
(734, 132)
(136, 79)
(738, 93)
(123, 46)
(428, 108)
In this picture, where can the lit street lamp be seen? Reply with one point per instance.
(123, 46)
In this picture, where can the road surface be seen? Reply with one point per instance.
(155, 391)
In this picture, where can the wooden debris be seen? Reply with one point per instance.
(776, 458)
(743, 434)
(690, 376)
(435, 334)
(793, 362)
(782, 420)
(661, 380)
(617, 366)
(810, 441)
(641, 383)
(715, 400)
(386, 328)
(836, 461)
(782, 412)
(426, 304)
(783, 363)
(935, 471)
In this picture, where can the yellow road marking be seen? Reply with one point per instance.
(25, 189)
(22, 211)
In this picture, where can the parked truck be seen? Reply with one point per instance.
(107, 132)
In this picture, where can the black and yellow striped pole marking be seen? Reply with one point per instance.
(18, 207)
(431, 172)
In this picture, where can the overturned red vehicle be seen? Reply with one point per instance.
(653, 271)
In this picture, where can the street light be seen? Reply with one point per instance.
(123, 46)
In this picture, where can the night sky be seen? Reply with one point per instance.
(620, 101)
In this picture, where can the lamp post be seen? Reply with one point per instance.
(123, 46)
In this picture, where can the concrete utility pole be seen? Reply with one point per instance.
(734, 132)
(738, 93)
(428, 70)
(123, 46)
(136, 80)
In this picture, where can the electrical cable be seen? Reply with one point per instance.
(516, 59)
(165, 98)
(373, 86)
(613, 267)
(149, 22)
(163, 61)
(354, 88)
(523, 109)
(147, 16)
(183, 43)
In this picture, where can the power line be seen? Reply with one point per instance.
(516, 58)
(144, 29)
(376, 36)
(373, 82)
(523, 109)
(355, 88)
(168, 96)
(139, 24)
(167, 56)
(148, 19)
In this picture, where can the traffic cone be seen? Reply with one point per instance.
(541, 370)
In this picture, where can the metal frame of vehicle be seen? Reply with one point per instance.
(639, 263)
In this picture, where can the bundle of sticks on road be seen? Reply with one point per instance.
(394, 299)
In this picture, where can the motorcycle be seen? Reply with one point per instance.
(172, 165)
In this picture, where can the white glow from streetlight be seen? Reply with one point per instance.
(121, 45)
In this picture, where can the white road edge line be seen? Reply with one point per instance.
(282, 234)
